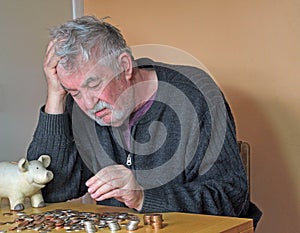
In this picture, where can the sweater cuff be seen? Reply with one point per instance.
(53, 124)
(153, 201)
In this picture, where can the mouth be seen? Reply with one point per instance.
(102, 113)
(38, 185)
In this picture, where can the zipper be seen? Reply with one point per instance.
(130, 155)
(129, 160)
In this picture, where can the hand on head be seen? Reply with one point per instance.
(56, 94)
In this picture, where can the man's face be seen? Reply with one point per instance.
(106, 99)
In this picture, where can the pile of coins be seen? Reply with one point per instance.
(155, 220)
(72, 220)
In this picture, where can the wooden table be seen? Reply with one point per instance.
(173, 222)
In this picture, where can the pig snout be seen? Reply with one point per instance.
(44, 178)
(49, 176)
(40, 175)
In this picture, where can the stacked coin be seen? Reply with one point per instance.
(132, 224)
(102, 223)
(113, 225)
(147, 219)
(89, 227)
(155, 220)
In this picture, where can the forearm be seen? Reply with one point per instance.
(56, 96)
(55, 104)
(53, 137)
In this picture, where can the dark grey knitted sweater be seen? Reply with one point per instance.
(179, 154)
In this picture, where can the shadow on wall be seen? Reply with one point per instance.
(271, 185)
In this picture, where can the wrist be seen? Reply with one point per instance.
(55, 104)
(140, 206)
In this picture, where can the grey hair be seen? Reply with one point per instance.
(89, 38)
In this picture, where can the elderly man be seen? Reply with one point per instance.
(150, 136)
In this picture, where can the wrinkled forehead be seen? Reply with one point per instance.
(81, 68)
(76, 78)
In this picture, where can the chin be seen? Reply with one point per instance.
(117, 124)
(101, 122)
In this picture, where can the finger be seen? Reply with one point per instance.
(106, 174)
(106, 188)
(51, 59)
(100, 185)
(51, 45)
(50, 49)
(94, 184)
(115, 193)
(113, 172)
(91, 181)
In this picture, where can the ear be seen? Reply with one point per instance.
(125, 63)
(45, 160)
(23, 165)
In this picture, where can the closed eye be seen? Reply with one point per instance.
(94, 83)
(75, 94)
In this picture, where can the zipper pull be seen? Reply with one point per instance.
(129, 162)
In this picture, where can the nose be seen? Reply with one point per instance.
(89, 99)
(49, 175)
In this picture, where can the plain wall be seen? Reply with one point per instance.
(24, 34)
(252, 48)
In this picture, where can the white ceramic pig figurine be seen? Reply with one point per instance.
(24, 179)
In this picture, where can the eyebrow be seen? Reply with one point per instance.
(85, 83)
(67, 89)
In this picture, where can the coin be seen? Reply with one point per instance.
(72, 220)
(154, 219)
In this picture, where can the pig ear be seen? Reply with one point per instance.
(23, 165)
(45, 160)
